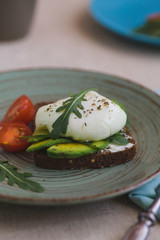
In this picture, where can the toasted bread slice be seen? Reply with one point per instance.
(110, 156)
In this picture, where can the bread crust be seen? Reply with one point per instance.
(105, 158)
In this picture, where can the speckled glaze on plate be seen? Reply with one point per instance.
(79, 186)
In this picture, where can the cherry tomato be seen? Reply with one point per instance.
(11, 136)
(21, 110)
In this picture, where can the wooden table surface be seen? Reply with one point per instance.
(63, 34)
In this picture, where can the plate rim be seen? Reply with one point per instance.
(43, 68)
(77, 200)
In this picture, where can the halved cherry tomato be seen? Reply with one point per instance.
(21, 110)
(11, 136)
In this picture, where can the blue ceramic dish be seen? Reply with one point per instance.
(124, 16)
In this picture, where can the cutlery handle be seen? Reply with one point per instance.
(140, 230)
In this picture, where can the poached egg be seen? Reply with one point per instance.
(101, 118)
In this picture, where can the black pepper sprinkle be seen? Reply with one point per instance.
(106, 103)
(99, 107)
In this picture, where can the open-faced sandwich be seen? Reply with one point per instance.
(85, 130)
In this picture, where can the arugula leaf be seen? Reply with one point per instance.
(124, 109)
(68, 107)
(118, 139)
(14, 177)
(127, 122)
(119, 104)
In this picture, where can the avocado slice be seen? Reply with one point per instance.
(75, 149)
(46, 143)
(42, 130)
(39, 134)
(100, 145)
(69, 150)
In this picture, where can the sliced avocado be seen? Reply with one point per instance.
(39, 134)
(42, 130)
(100, 144)
(70, 150)
(46, 143)
(75, 149)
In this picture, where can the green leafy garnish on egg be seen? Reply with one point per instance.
(69, 106)
(118, 139)
(124, 109)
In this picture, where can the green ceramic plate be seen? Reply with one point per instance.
(79, 186)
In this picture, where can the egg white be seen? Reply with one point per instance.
(101, 118)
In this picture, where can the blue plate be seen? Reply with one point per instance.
(123, 16)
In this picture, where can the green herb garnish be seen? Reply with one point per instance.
(69, 106)
(10, 172)
(124, 109)
(151, 26)
(120, 105)
(118, 139)
(127, 122)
